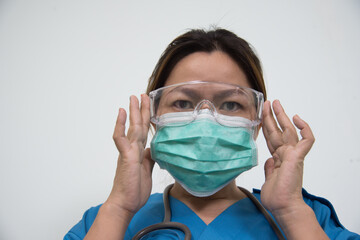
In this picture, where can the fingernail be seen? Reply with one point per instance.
(279, 104)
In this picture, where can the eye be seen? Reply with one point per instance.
(231, 106)
(183, 104)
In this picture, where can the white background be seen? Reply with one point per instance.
(67, 66)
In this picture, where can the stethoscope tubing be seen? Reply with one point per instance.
(167, 224)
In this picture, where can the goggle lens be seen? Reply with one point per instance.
(219, 98)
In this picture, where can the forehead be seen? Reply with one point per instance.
(211, 67)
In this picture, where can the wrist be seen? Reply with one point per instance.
(299, 222)
(110, 223)
(115, 211)
(292, 213)
(296, 207)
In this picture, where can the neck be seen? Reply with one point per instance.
(230, 193)
(208, 208)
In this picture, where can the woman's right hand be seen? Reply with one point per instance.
(133, 182)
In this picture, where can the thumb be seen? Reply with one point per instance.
(269, 168)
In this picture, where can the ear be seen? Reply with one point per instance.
(257, 130)
(152, 128)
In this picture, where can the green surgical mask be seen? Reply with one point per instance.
(203, 155)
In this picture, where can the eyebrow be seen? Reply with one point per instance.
(219, 94)
(188, 92)
(227, 93)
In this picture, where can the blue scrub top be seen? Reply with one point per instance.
(242, 220)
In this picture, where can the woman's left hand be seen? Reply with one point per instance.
(282, 190)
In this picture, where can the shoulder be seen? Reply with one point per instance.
(151, 212)
(325, 214)
(154, 208)
(82, 227)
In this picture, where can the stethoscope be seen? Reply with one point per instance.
(167, 224)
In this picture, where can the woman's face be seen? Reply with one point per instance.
(216, 66)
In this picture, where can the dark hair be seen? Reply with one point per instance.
(198, 40)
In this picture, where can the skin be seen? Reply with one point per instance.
(281, 192)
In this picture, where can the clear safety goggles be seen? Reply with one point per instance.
(183, 103)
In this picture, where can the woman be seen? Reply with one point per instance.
(206, 104)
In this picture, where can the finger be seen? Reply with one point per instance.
(145, 114)
(271, 131)
(306, 133)
(135, 128)
(119, 136)
(269, 168)
(277, 160)
(289, 131)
